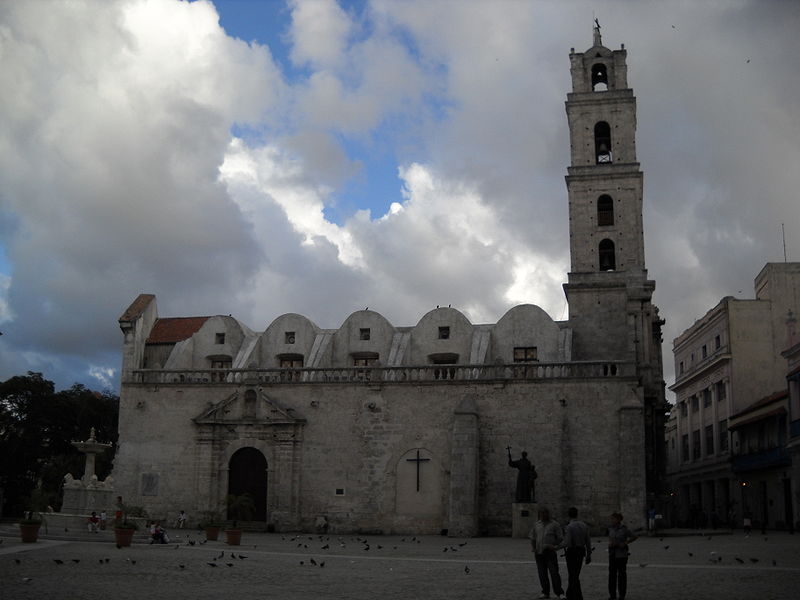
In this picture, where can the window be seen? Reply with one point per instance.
(363, 333)
(684, 410)
(695, 403)
(526, 354)
(720, 388)
(602, 142)
(291, 361)
(288, 337)
(599, 78)
(709, 431)
(696, 444)
(680, 368)
(219, 338)
(723, 435)
(221, 364)
(364, 360)
(704, 351)
(685, 447)
(249, 404)
(605, 211)
(706, 398)
(606, 256)
(717, 343)
(444, 333)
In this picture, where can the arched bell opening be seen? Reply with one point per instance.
(602, 142)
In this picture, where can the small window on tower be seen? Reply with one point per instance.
(444, 333)
(526, 354)
(605, 211)
(219, 338)
(288, 337)
(363, 333)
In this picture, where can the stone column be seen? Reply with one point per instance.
(463, 506)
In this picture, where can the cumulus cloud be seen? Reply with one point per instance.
(119, 172)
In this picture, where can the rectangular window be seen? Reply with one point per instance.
(219, 338)
(685, 447)
(717, 343)
(704, 350)
(709, 440)
(444, 333)
(706, 398)
(695, 403)
(526, 354)
(291, 363)
(696, 444)
(684, 410)
(364, 361)
(288, 337)
(680, 368)
(363, 333)
(720, 385)
(723, 435)
(221, 364)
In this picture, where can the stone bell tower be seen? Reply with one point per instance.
(609, 294)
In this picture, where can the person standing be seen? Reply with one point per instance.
(182, 518)
(546, 536)
(119, 510)
(619, 536)
(577, 547)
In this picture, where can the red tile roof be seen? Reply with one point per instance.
(136, 308)
(175, 329)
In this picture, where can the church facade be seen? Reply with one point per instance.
(374, 427)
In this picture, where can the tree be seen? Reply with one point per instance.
(37, 426)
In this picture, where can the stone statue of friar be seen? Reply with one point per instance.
(526, 477)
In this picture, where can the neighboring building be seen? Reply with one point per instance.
(760, 460)
(404, 429)
(792, 355)
(724, 363)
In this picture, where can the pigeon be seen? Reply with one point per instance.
(229, 564)
(26, 580)
(242, 557)
(302, 563)
(445, 549)
(754, 560)
(666, 547)
(130, 560)
(18, 561)
(181, 566)
(642, 565)
(466, 569)
(739, 560)
(322, 564)
(221, 554)
(463, 544)
(326, 546)
(107, 560)
(211, 564)
(690, 554)
(313, 562)
(58, 561)
(76, 560)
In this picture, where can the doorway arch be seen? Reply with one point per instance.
(247, 474)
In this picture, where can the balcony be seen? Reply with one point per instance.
(766, 459)
(409, 374)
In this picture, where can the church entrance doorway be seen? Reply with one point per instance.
(247, 474)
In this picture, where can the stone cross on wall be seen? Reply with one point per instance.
(417, 460)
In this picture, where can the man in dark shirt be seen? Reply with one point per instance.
(577, 546)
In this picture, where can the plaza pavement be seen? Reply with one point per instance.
(278, 565)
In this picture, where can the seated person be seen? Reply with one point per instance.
(92, 522)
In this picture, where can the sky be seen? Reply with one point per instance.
(257, 158)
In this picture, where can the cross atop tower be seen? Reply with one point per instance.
(597, 39)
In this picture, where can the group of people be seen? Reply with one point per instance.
(548, 537)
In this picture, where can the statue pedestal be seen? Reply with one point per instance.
(523, 517)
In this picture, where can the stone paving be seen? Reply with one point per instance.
(386, 567)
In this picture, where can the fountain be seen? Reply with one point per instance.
(87, 494)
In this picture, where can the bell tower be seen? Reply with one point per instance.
(609, 294)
